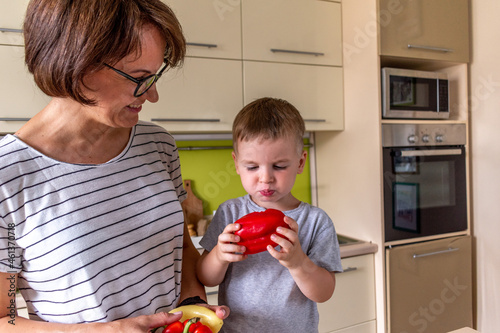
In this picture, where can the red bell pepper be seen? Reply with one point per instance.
(257, 228)
(175, 327)
(192, 325)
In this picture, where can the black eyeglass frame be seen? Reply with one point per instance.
(141, 81)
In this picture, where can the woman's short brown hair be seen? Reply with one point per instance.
(65, 40)
(269, 119)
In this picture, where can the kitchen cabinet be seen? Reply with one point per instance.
(11, 21)
(352, 306)
(425, 29)
(212, 30)
(203, 95)
(295, 31)
(430, 285)
(315, 91)
(22, 99)
(218, 78)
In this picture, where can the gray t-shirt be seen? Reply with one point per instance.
(261, 293)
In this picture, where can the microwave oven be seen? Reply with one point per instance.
(414, 94)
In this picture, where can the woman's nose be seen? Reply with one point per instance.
(152, 94)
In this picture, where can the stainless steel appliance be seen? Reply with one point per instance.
(424, 180)
(414, 94)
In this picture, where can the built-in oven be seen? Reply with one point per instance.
(425, 185)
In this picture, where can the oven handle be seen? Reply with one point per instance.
(440, 152)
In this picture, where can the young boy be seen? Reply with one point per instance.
(275, 290)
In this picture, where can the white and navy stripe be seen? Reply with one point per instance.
(94, 242)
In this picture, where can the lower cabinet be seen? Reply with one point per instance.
(352, 306)
(430, 286)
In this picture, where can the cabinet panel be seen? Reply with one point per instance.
(434, 29)
(316, 91)
(213, 29)
(203, 95)
(353, 301)
(11, 21)
(369, 327)
(21, 98)
(430, 286)
(299, 31)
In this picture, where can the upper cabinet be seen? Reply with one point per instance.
(294, 31)
(21, 98)
(425, 29)
(212, 28)
(11, 21)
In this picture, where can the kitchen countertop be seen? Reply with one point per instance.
(349, 247)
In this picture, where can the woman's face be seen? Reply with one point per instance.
(116, 105)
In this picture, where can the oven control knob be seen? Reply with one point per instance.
(426, 138)
(413, 139)
(439, 138)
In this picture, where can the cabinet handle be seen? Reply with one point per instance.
(349, 269)
(11, 30)
(315, 120)
(14, 119)
(215, 292)
(202, 45)
(450, 249)
(196, 120)
(430, 48)
(297, 52)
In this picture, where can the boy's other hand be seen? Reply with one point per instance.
(290, 255)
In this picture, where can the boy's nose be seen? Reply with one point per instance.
(266, 176)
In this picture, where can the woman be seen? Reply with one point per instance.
(91, 227)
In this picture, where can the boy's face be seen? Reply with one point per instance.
(268, 169)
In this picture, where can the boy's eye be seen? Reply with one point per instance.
(251, 168)
(280, 167)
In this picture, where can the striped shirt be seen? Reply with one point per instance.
(94, 243)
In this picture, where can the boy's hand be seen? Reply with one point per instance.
(227, 250)
(290, 254)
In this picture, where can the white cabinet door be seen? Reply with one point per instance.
(212, 28)
(296, 31)
(204, 96)
(11, 21)
(369, 327)
(353, 301)
(21, 98)
(316, 91)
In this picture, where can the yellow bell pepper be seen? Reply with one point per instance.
(207, 316)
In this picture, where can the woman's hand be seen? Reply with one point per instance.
(141, 324)
(221, 311)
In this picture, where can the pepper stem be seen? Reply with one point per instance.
(190, 321)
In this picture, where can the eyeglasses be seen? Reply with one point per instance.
(144, 84)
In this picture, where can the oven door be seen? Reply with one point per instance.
(424, 191)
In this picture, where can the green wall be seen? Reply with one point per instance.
(213, 175)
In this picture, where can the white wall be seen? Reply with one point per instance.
(485, 146)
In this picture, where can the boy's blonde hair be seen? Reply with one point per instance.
(269, 119)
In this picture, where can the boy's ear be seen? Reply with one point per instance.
(302, 162)
(233, 154)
